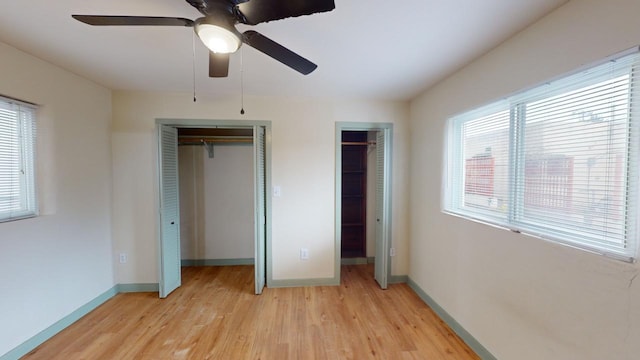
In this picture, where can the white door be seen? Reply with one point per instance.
(260, 207)
(170, 278)
(382, 215)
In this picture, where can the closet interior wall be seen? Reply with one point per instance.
(216, 198)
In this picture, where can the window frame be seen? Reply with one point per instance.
(25, 121)
(453, 193)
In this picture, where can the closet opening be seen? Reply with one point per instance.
(358, 197)
(214, 209)
(363, 197)
(215, 171)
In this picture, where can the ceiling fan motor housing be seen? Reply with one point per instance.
(218, 33)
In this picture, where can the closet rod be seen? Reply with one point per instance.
(358, 143)
(202, 140)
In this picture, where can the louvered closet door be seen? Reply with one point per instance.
(170, 278)
(260, 208)
(381, 210)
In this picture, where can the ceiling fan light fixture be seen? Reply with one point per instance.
(218, 38)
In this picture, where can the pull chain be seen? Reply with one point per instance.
(241, 82)
(193, 44)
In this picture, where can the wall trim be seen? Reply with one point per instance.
(303, 282)
(218, 262)
(453, 324)
(398, 279)
(59, 325)
(135, 288)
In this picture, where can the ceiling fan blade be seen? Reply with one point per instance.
(101, 20)
(218, 65)
(278, 52)
(258, 11)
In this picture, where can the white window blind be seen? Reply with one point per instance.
(485, 172)
(559, 161)
(17, 183)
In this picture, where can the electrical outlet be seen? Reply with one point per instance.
(304, 254)
(123, 258)
(392, 252)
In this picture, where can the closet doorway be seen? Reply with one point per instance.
(358, 153)
(363, 196)
(214, 208)
(215, 169)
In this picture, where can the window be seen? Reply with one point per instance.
(559, 161)
(17, 132)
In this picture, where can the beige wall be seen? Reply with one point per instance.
(303, 165)
(216, 202)
(55, 263)
(521, 297)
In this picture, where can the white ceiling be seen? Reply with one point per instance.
(376, 49)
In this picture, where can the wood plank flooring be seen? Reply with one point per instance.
(214, 315)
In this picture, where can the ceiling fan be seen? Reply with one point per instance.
(217, 29)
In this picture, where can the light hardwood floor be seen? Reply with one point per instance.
(214, 315)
